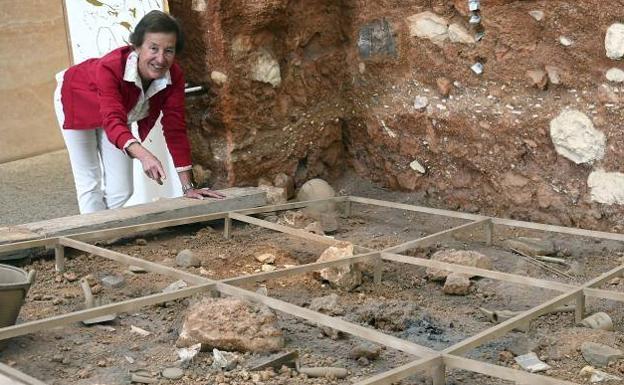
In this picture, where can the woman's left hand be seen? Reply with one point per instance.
(200, 193)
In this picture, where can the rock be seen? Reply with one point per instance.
(70, 276)
(315, 189)
(231, 324)
(265, 258)
(537, 15)
(377, 38)
(266, 69)
(615, 75)
(416, 166)
(600, 320)
(173, 373)
(538, 78)
(266, 268)
(346, 277)
(597, 375)
(531, 246)
(428, 25)
(113, 281)
(140, 242)
(444, 86)
(286, 182)
(599, 354)
(457, 284)
(421, 103)
(614, 41)
(575, 137)
(606, 187)
(458, 34)
(459, 257)
(327, 305)
(531, 363)
(274, 195)
(186, 258)
(366, 350)
(315, 228)
(565, 41)
(554, 74)
(136, 269)
(219, 78)
(177, 285)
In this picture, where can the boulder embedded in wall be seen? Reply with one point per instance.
(347, 277)
(376, 39)
(606, 187)
(458, 257)
(266, 69)
(428, 25)
(231, 324)
(458, 34)
(575, 137)
(614, 41)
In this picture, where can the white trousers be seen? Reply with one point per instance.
(102, 172)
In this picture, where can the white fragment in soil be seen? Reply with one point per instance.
(615, 75)
(388, 130)
(565, 41)
(138, 330)
(477, 68)
(416, 166)
(597, 375)
(187, 354)
(531, 363)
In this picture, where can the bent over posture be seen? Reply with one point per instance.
(97, 100)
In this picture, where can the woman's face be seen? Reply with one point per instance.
(156, 54)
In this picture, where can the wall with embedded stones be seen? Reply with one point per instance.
(388, 89)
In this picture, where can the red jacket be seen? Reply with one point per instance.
(97, 85)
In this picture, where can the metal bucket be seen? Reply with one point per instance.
(14, 284)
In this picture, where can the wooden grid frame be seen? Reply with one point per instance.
(426, 360)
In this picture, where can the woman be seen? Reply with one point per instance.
(97, 100)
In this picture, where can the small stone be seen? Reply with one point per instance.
(538, 78)
(363, 361)
(113, 281)
(70, 276)
(565, 41)
(315, 228)
(421, 103)
(265, 258)
(173, 373)
(96, 289)
(366, 350)
(416, 166)
(136, 269)
(177, 285)
(457, 284)
(91, 280)
(186, 258)
(614, 41)
(444, 86)
(267, 268)
(218, 78)
(598, 354)
(554, 74)
(537, 15)
(140, 242)
(615, 75)
(530, 362)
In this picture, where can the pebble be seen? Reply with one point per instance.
(173, 373)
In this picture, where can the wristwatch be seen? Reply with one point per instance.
(187, 186)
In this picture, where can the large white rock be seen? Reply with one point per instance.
(346, 276)
(458, 34)
(575, 137)
(267, 69)
(606, 187)
(614, 41)
(428, 25)
(231, 324)
(615, 75)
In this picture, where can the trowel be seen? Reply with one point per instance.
(89, 303)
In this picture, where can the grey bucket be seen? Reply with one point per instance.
(14, 284)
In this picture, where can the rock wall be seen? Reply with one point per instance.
(384, 88)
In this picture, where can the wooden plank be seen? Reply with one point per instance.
(289, 206)
(175, 208)
(496, 221)
(604, 294)
(6, 250)
(502, 328)
(430, 239)
(332, 322)
(128, 260)
(397, 374)
(16, 377)
(120, 307)
(507, 277)
(517, 376)
(285, 229)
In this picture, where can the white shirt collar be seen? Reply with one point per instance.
(131, 74)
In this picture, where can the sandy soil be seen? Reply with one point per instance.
(405, 304)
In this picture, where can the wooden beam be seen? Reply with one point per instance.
(397, 374)
(512, 323)
(325, 320)
(9, 247)
(8, 373)
(289, 206)
(124, 306)
(604, 294)
(507, 277)
(517, 376)
(433, 238)
(419, 209)
(128, 260)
